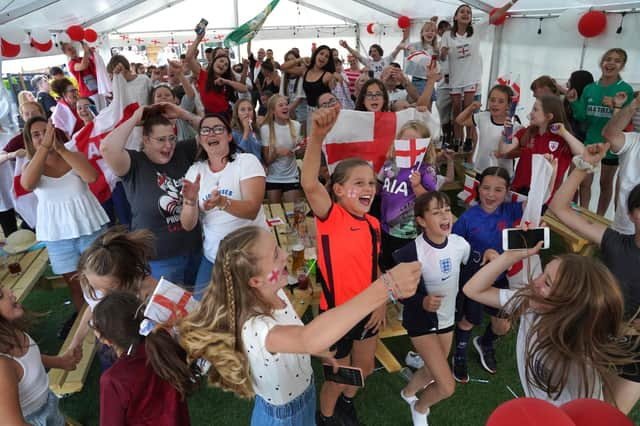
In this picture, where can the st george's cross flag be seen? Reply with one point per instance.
(470, 189)
(410, 152)
(169, 302)
(26, 202)
(369, 135)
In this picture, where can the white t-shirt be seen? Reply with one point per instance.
(489, 136)
(217, 223)
(277, 377)
(139, 89)
(628, 176)
(283, 169)
(465, 62)
(572, 389)
(397, 95)
(378, 66)
(441, 271)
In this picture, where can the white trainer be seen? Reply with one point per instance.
(414, 360)
(419, 419)
(408, 399)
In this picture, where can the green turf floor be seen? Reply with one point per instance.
(378, 404)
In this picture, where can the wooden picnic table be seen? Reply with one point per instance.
(302, 299)
(33, 264)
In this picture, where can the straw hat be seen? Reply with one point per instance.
(19, 241)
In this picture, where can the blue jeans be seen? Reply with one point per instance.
(48, 414)
(298, 412)
(117, 207)
(179, 270)
(420, 84)
(203, 278)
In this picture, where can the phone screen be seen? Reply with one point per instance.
(202, 26)
(518, 239)
(345, 375)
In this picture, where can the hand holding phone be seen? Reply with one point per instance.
(519, 239)
(346, 375)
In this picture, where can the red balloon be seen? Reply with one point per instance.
(592, 412)
(592, 23)
(528, 412)
(404, 22)
(9, 50)
(76, 33)
(502, 19)
(370, 28)
(43, 47)
(90, 35)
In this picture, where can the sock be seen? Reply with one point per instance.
(489, 337)
(347, 399)
(462, 340)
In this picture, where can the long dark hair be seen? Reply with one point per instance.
(363, 92)
(201, 154)
(551, 104)
(578, 81)
(211, 86)
(26, 134)
(330, 66)
(454, 28)
(500, 172)
(117, 318)
(286, 76)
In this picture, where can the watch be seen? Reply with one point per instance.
(582, 164)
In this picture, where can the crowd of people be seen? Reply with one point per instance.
(211, 141)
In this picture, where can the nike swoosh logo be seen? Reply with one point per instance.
(354, 228)
(444, 279)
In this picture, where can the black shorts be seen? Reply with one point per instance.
(419, 322)
(610, 161)
(284, 187)
(468, 308)
(345, 344)
(389, 245)
(631, 372)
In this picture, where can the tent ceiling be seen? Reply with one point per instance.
(147, 15)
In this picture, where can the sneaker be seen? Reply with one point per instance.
(419, 419)
(346, 412)
(460, 370)
(487, 356)
(328, 421)
(467, 146)
(66, 327)
(408, 399)
(414, 360)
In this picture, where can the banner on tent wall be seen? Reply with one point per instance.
(249, 29)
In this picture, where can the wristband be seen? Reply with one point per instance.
(386, 280)
(226, 205)
(581, 164)
(188, 202)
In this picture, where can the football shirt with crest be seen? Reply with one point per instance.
(441, 272)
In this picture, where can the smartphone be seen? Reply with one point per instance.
(346, 375)
(201, 27)
(370, 74)
(517, 239)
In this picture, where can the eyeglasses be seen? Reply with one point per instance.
(163, 140)
(329, 103)
(215, 130)
(372, 96)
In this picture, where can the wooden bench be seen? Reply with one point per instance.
(393, 328)
(62, 382)
(33, 264)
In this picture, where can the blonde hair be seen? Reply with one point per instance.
(25, 96)
(236, 123)
(213, 332)
(584, 339)
(434, 42)
(423, 131)
(270, 119)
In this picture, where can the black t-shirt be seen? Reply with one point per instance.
(622, 256)
(46, 101)
(154, 192)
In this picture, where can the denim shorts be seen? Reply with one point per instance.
(64, 254)
(421, 84)
(48, 414)
(300, 411)
(180, 270)
(203, 278)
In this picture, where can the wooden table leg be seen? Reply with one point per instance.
(386, 358)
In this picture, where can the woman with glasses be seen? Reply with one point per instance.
(65, 116)
(152, 180)
(224, 189)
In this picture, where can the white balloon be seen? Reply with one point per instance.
(13, 35)
(41, 35)
(568, 20)
(377, 28)
(63, 37)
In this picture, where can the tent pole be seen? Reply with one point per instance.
(583, 53)
(236, 23)
(357, 37)
(496, 50)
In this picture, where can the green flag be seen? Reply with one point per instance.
(249, 29)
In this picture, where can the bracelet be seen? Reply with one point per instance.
(188, 202)
(387, 283)
(227, 204)
(581, 164)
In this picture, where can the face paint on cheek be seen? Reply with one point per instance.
(273, 276)
(353, 193)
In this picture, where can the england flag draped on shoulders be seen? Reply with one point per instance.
(369, 135)
(87, 141)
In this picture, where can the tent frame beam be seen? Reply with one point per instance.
(138, 18)
(479, 4)
(378, 8)
(25, 10)
(324, 11)
(610, 7)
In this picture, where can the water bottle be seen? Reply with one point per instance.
(406, 373)
(508, 131)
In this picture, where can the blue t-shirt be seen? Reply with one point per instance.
(251, 145)
(483, 230)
